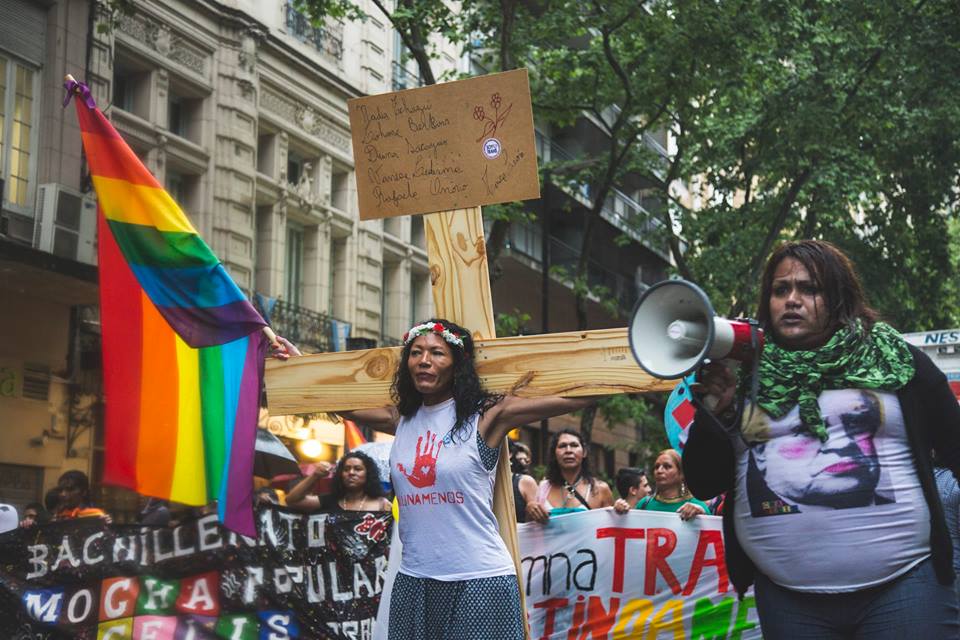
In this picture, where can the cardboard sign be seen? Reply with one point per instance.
(444, 147)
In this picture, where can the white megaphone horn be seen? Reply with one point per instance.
(674, 329)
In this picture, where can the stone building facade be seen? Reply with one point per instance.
(239, 109)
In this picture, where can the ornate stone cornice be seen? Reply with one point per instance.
(161, 39)
(305, 117)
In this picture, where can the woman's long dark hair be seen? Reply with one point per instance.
(468, 395)
(372, 488)
(554, 474)
(832, 272)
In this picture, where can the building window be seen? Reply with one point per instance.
(184, 115)
(183, 188)
(327, 38)
(295, 164)
(340, 189)
(17, 134)
(131, 86)
(418, 236)
(266, 150)
(406, 74)
(294, 265)
(392, 226)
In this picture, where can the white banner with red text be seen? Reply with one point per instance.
(597, 574)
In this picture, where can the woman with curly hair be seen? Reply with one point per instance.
(356, 487)
(456, 579)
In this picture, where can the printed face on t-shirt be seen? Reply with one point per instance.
(842, 472)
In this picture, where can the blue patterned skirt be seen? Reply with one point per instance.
(476, 609)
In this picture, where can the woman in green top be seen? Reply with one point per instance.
(671, 495)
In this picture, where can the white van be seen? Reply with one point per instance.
(943, 347)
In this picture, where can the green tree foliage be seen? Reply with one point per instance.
(789, 119)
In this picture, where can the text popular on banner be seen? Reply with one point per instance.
(305, 576)
(601, 575)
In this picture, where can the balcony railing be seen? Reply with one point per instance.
(403, 78)
(327, 39)
(620, 210)
(310, 330)
(526, 239)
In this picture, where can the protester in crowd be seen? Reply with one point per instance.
(266, 495)
(671, 494)
(569, 485)
(519, 457)
(632, 485)
(524, 485)
(51, 501)
(155, 512)
(950, 498)
(73, 489)
(34, 514)
(356, 486)
(456, 579)
(832, 508)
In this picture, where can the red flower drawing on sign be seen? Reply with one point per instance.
(490, 125)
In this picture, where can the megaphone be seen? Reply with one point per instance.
(674, 329)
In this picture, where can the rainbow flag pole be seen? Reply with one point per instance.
(183, 348)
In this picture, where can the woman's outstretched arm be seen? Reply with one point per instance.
(512, 411)
(384, 419)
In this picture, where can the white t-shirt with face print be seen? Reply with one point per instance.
(834, 516)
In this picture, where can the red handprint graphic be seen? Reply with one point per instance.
(424, 473)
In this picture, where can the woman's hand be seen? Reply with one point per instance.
(690, 510)
(537, 513)
(719, 384)
(283, 349)
(621, 506)
(322, 469)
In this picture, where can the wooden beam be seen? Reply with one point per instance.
(458, 270)
(577, 363)
(460, 279)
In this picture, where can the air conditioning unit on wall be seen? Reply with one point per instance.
(66, 223)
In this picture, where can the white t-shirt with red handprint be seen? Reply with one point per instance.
(445, 495)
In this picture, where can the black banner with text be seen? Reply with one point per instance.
(305, 576)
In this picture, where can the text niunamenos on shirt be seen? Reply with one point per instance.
(802, 504)
(445, 494)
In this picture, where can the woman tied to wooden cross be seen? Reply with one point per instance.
(456, 577)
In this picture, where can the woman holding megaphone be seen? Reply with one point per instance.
(835, 517)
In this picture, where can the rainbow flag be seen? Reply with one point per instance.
(352, 438)
(183, 348)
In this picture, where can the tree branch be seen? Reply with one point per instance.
(412, 38)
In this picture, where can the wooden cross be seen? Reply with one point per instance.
(582, 363)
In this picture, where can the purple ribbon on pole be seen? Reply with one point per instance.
(73, 87)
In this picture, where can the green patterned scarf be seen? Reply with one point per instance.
(851, 359)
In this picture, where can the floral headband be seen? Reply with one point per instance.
(432, 327)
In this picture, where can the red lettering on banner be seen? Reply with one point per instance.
(599, 621)
(620, 536)
(657, 560)
(200, 594)
(118, 598)
(577, 618)
(700, 560)
(551, 605)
